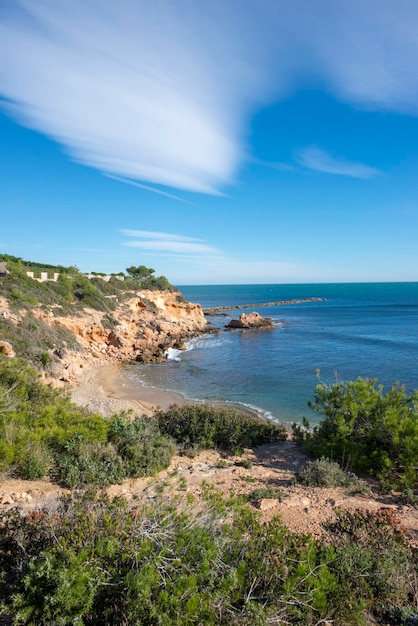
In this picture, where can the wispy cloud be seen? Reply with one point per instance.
(126, 181)
(167, 242)
(153, 91)
(162, 92)
(274, 165)
(315, 159)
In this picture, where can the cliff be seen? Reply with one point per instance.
(142, 326)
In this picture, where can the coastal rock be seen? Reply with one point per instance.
(267, 503)
(251, 321)
(141, 328)
(6, 349)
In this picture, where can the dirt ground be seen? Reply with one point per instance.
(302, 509)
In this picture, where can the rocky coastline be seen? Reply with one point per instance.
(141, 328)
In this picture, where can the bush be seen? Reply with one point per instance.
(266, 492)
(142, 447)
(36, 461)
(37, 422)
(42, 432)
(325, 473)
(83, 463)
(375, 561)
(32, 338)
(198, 427)
(367, 430)
(97, 561)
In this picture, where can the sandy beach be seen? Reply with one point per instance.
(105, 390)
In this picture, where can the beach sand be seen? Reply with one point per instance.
(105, 390)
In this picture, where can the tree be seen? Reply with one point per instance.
(141, 272)
(367, 429)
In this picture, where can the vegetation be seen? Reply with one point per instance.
(325, 473)
(32, 338)
(97, 561)
(266, 492)
(366, 430)
(200, 426)
(147, 280)
(73, 290)
(42, 432)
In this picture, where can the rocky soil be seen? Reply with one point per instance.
(303, 509)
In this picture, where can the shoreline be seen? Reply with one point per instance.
(103, 389)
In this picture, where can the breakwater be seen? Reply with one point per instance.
(219, 309)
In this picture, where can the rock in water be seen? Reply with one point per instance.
(251, 320)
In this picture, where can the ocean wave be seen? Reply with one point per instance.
(204, 341)
(172, 354)
(256, 409)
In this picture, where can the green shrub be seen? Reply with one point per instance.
(266, 492)
(325, 473)
(109, 322)
(376, 563)
(32, 338)
(17, 296)
(83, 463)
(98, 561)
(204, 426)
(35, 461)
(36, 422)
(139, 442)
(41, 431)
(367, 430)
(244, 463)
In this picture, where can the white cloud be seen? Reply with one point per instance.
(150, 234)
(126, 181)
(167, 242)
(315, 159)
(155, 91)
(162, 92)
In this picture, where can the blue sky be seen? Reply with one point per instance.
(236, 141)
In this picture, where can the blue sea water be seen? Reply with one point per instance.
(365, 329)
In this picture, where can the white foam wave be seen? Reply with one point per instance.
(262, 412)
(204, 341)
(172, 354)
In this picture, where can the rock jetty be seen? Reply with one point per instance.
(217, 309)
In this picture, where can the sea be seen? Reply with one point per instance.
(362, 329)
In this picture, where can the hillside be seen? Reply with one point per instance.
(118, 513)
(69, 320)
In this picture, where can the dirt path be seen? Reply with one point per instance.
(303, 509)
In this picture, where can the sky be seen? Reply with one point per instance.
(222, 142)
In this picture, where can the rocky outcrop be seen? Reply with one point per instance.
(141, 328)
(250, 321)
(6, 349)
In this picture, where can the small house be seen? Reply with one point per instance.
(3, 269)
